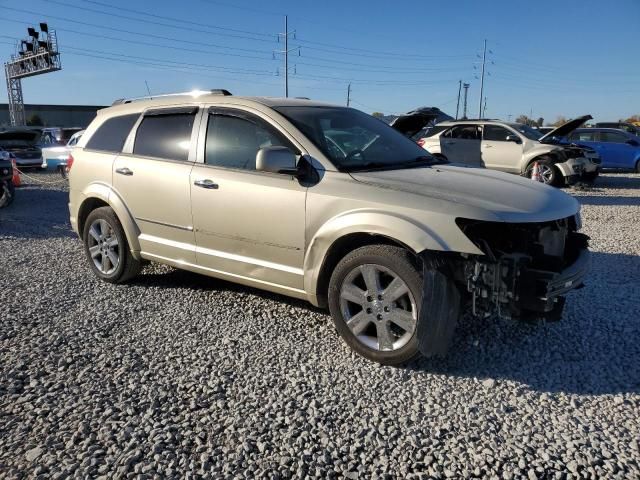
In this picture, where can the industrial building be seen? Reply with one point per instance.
(54, 115)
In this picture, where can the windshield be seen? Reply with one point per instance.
(353, 140)
(527, 131)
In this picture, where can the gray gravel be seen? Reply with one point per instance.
(179, 375)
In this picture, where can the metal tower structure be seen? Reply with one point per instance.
(37, 54)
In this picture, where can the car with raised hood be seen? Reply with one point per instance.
(24, 144)
(508, 147)
(323, 203)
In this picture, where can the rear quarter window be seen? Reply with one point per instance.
(166, 136)
(111, 135)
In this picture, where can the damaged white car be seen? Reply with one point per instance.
(508, 147)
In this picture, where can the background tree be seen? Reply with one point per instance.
(540, 121)
(633, 119)
(35, 121)
(523, 119)
(559, 121)
(377, 114)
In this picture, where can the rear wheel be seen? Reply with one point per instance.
(107, 248)
(638, 166)
(375, 294)
(549, 173)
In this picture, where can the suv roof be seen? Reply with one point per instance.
(198, 96)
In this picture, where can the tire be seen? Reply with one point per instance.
(375, 334)
(7, 193)
(638, 166)
(554, 179)
(103, 236)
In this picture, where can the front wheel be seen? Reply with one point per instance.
(375, 295)
(106, 247)
(549, 173)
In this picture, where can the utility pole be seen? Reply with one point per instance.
(484, 109)
(458, 104)
(484, 59)
(348, 94)
(510, 115)
(464, 107)
(285, 52)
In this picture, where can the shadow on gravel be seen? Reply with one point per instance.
(593, 350)
(624, 180)
(36, 212)
(608, 200)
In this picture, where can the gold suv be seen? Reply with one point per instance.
(323, 203)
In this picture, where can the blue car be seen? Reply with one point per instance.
(617, 148)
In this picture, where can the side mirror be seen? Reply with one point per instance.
(633, 143)
(276, 160)
(513, 138)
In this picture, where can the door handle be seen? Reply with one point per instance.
(124, 171)
(206, 183)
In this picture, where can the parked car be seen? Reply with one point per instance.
(7, 188)
(617, 148)
(57, 136)
(23, 143)
(627, 127)
(396, 244)
(512, 148)
(56, 157)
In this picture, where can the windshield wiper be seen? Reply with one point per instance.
(422, 160)
(368, 166)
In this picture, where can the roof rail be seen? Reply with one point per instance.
(193, 93)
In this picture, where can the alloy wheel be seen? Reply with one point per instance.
(104, 247)
(378, 307)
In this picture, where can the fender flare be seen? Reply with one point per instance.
(103, 192)
(401, 229)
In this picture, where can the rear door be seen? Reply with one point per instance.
(462, 144)
(152, 178)
(498, 153)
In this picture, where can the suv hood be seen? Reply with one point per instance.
(565, 129)
(508, 197)
(411, 123)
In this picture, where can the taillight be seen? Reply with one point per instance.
(420, 142)
(69, 162)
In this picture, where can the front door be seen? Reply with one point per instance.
(153, 182)
(498, 153)
(248, 224)
(614, 147)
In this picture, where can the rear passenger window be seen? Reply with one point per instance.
(233, 142)
(581, 137)
(464, 132)
(612, 137)
(165, 136)
(111, 135)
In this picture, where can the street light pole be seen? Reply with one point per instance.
(484, 59)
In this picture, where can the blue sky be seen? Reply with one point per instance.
(548, 57)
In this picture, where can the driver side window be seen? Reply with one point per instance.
(233, 141)
(496, 133)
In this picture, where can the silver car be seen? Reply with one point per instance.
(323, 203)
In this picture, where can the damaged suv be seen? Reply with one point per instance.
(323, 203)
(508, 147)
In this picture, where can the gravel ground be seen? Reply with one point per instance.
(179, 375)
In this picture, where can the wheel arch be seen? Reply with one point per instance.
(351, 231)
(96, 196)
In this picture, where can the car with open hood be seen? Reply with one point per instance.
(510, 147)
(56, 157)
(324, 203)
(24, 144)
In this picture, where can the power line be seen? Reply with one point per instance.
(152, 22)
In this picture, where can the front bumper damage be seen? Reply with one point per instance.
(524, 274)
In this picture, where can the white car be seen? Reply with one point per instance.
(55, 157)
(512, 148)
